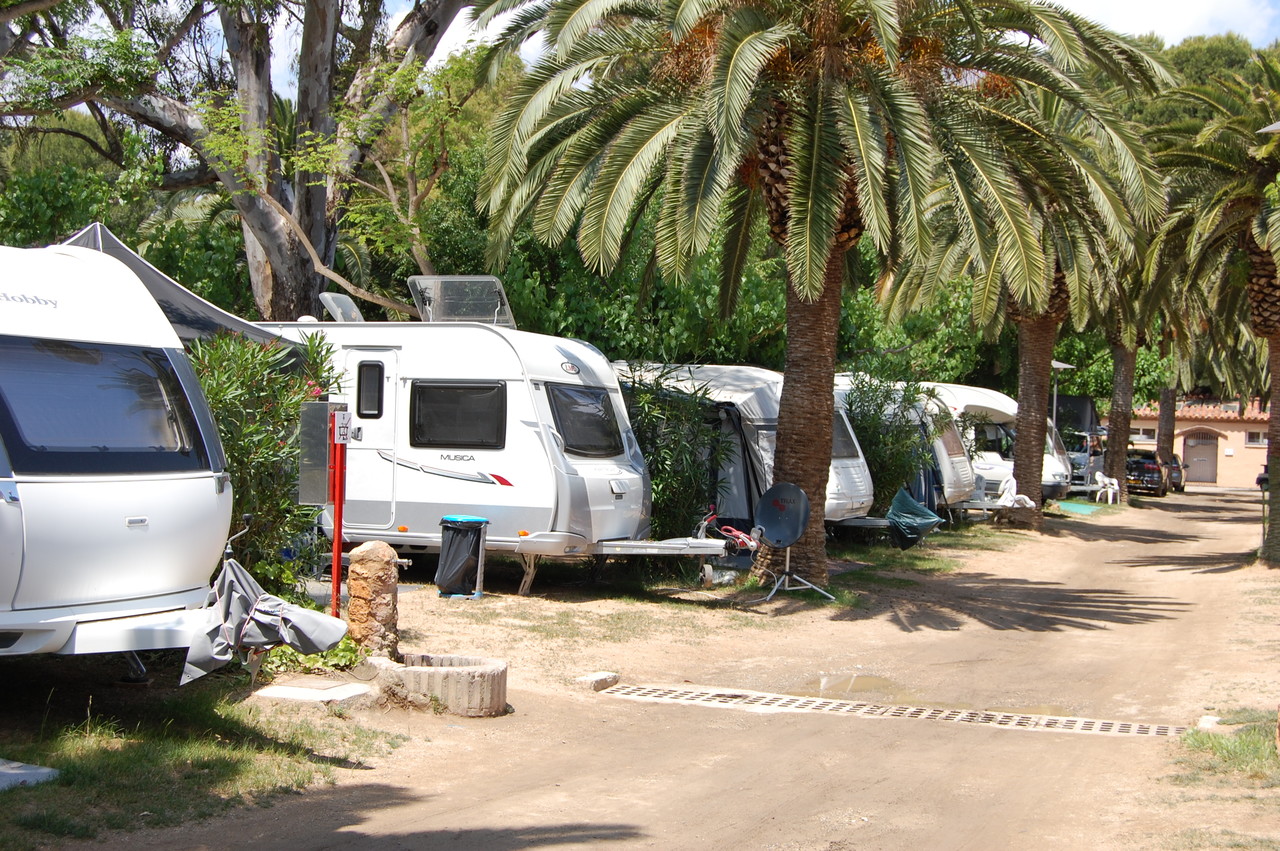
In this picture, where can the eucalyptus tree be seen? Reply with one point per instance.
(832, 118)
(1226, 205)
(196, 76)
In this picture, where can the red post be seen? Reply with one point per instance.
(338, 494)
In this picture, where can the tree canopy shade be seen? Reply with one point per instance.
(197, 75)
(838, 120)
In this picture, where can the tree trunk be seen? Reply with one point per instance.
(805, 412)
(1264, 315)
(1124, 360)
(1036, 337)
(1166, 424)
(1270, 553)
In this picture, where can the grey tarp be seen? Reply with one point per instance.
(242, 618)
(192, 317)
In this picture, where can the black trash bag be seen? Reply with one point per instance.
(909, 521)
(460, 543)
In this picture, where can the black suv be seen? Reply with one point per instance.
(1144, 472)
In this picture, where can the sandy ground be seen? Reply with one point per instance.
(1151, 615)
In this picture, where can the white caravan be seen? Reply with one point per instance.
(114, 503)
(747, 398)
(949, 482)
(526, 430)
(991, 415)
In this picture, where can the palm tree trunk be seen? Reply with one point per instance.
(1270, 554)
(1036, 337)
(805, 413)
(1124, 360)
(1166, 424)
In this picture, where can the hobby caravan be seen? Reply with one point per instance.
(114, 503)
(526, 430)
(991, 416)
(746, 399)
(949, 481)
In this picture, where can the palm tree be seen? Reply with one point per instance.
(833, 118)
(1088, 187)
(1226, 205)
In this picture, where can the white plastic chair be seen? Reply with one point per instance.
(1108, 488)
(1009, 496)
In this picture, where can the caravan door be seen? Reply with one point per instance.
(849, 489)
(370, 382)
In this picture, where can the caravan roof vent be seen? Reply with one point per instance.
(461, 298)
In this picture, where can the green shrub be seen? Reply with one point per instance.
(679, 434)
(886, 417)
(256, 392)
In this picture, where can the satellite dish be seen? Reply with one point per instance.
(781, 514)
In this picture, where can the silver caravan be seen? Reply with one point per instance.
(949, 482)
(114, 504)
(526, 430)
(992, 414)
(747, 398)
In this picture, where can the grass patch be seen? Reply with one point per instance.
(937, 553)
(140, 758)
(1245, 750)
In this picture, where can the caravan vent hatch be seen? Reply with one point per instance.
(461, 298)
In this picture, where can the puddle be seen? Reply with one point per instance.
(873, 689)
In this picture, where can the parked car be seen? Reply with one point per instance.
(1177, 474)
(1144, 472)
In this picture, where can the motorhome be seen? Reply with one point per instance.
(746, 399)
(525, 430)
(948, 481)
(114, 502)
(989, 416)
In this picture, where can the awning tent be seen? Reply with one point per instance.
(191, 316)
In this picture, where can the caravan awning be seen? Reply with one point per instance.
(192, 317)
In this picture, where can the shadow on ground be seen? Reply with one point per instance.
(949, 602)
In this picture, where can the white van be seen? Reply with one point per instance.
(949, 481)
(747, 398)
(114, 503)
(526, 430)
(991, 415)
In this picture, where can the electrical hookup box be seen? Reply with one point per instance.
(315, 445)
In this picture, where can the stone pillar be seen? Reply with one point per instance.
(371, 587)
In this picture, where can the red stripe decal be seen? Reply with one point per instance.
(500, 480)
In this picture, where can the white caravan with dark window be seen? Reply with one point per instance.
(747, 399)
(526, 430)
(949, 481)
(991, 415)
(114, 504)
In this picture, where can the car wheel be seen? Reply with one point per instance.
(1180, 488)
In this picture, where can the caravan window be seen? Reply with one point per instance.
(842, 443)
(94, 408)
(458, 414)
(369, 375)
(585, 419)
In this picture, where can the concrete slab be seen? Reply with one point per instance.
(315, 689)
(21, 774)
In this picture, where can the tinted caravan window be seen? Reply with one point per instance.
(93, 408)
(458, 415)
(585, 419)
(842, 443)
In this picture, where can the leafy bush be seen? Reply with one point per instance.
(256, 392)
(887, 418)
(679, 434)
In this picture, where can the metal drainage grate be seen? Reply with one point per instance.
(762, 702)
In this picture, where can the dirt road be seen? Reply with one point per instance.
(1151, 616)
